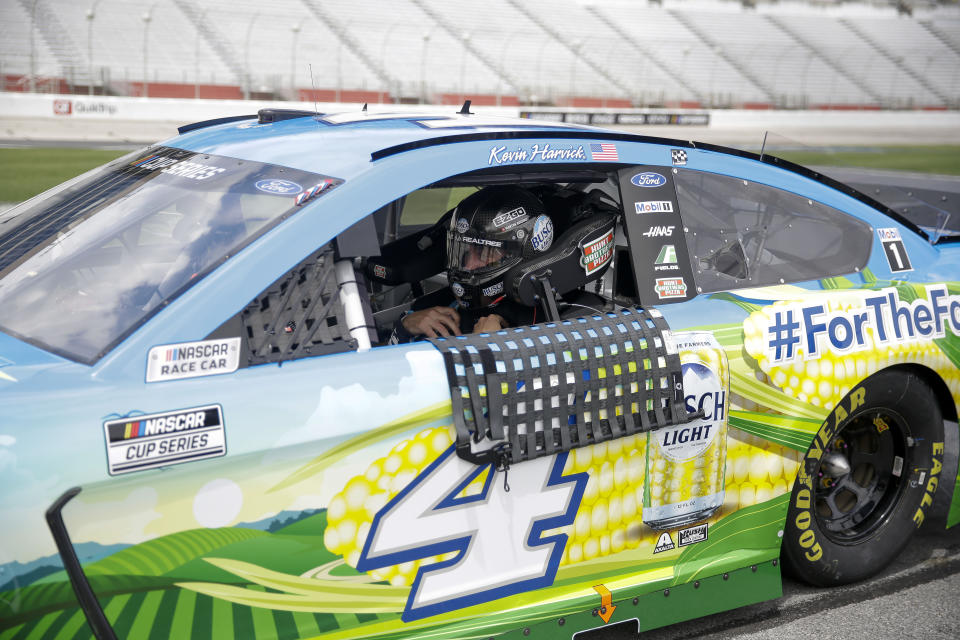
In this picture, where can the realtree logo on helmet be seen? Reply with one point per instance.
(482, 241)
(542, 236)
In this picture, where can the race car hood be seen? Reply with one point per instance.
(20, 361)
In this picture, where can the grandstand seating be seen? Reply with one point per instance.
(598, 52)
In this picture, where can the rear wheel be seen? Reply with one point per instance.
(866, 482)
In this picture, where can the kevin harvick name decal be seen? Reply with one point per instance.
(162, 439)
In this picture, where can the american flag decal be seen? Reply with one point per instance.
(604, 151)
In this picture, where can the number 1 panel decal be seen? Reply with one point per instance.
(896, 253)
(498, 534)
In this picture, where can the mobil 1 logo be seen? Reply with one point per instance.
(893, 247)
(654, 228)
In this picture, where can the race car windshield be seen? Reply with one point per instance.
(83, 265)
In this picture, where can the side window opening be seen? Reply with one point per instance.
(303, 313)
(397, 258)
(743, 234)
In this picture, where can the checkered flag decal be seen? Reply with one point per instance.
(679, 156)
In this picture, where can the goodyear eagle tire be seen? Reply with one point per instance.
(866, 482)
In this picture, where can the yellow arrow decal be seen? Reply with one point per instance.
(606, 602)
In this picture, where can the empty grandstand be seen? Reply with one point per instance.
(902, 54)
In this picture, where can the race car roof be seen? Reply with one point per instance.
(344, 144)
(337, 143)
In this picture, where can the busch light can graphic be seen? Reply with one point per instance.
(684, 476)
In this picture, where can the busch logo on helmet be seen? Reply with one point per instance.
(542, 236)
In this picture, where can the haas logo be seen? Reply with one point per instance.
(659, 231)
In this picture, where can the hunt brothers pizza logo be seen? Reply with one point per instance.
(670, 288)
(597, 253)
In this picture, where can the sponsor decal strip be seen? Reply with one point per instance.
(810, 328)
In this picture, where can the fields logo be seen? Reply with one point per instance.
(666, 259)
(648, 179)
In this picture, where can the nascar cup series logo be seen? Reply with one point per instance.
(457, 289)
(702, 392)
(462, 225)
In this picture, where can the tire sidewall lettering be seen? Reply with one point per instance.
(820, 557)
(845, 411)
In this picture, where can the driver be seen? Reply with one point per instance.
(490, 232)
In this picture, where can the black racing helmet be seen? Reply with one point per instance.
(491, 231)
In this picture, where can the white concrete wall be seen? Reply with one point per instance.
(46, 117)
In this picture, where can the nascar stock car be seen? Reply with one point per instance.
(216, 421)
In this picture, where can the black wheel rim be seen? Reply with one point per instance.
(861, 476)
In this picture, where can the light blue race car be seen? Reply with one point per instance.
(394, 375)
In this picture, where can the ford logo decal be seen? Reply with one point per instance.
(279, 187)
(648, 179)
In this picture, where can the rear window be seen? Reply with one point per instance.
(82, 266)
(743, 234)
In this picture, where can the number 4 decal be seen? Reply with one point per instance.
(498, 534)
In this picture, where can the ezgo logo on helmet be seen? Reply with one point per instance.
(648, 179)
(542, 236)
(703, 392)
(279, 187)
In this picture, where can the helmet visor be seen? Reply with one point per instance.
(467, 253)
